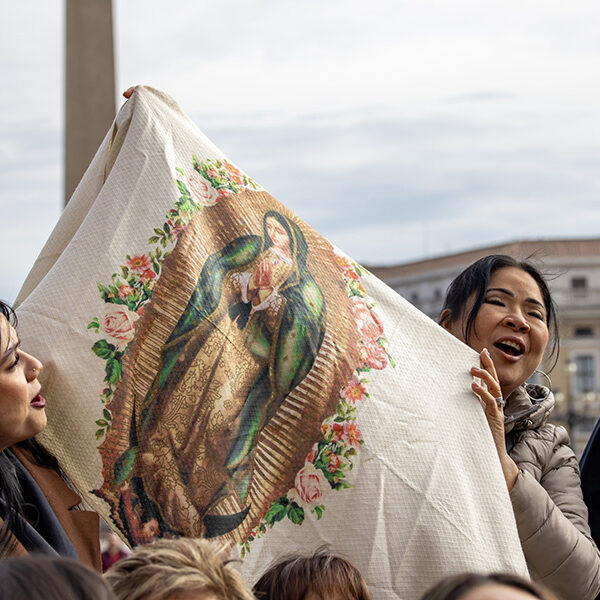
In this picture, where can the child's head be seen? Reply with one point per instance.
(321, 576)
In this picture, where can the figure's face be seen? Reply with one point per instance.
(278, 234)
(511, 324)
(22, 413)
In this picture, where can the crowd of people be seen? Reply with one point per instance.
(499, 306)
(198, 569)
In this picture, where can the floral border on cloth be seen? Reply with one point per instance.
(131, 287)
(327, 464)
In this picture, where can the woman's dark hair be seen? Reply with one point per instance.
(45, 577)
(473, 282)
(323, 573)
(457, 586)
(10, 489)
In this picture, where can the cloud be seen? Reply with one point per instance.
(399, 131)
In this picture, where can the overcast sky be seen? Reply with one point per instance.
(399, 130)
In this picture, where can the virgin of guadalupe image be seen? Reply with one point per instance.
(249, 334)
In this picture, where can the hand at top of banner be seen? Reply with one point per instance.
(128, 92)
(494, 413)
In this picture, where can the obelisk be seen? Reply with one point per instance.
(90, 84)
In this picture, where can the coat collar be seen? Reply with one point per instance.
(528, 407)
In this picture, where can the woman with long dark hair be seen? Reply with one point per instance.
(503, 309)
(36, 503)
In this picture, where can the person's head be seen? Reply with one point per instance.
(320, 576)
(496, 586)
(504, 305)
(278, 234)
(45, 577)
(22, 413)
(177, 569)
(282, 233)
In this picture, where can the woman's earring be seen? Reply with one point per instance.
(547, 378)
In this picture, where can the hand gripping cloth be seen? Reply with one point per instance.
(215, 367)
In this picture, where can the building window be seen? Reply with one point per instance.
(579, 283)
(585, 375)
(584, 332)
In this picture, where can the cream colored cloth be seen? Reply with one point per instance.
(214, 366)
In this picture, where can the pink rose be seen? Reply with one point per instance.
(117, 323)
(373, 355)
(310, 484)
(201, 189)
(369, 324)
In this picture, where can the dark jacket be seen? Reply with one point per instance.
(80, 526)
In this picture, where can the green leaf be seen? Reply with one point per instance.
(295, 513)
(276, 511)
(117, 373)
(94, 324)
(101, 423)
(99, 433)
(106, 414)
(318, 510)
(179, 171)
(166, 228)
(153, 240)
(114, 370)
(182, 189)
(103, 349)
(343, 485)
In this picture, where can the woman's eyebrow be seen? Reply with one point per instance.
(503, 290)
(9, 351)
(511, 294)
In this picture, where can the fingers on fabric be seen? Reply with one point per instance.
(490, 392)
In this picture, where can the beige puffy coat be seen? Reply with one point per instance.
(547, 501)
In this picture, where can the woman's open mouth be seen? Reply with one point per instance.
(510, 348)
(38, 402)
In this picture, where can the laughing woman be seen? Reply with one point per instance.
(502, 308)
(35, 501)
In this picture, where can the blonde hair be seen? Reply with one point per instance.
(168, 567)
(322, 573)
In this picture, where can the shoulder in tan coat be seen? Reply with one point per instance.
(547, 501)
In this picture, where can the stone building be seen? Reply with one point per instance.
(573, 271)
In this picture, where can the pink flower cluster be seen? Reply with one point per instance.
(355, 390)
(372, 353)
(346, 433)
(140, 263)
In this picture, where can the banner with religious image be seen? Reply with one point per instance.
(215, 367)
